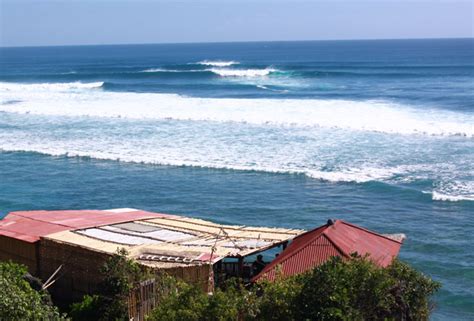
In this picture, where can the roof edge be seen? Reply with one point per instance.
(368, 231)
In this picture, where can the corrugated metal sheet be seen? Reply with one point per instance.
(29, 226)
(339, 239)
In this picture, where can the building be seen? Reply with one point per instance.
(194, 250)
(204, 253)
(336, 238)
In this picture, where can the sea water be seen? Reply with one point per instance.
(379, 133)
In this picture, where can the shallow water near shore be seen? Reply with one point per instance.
(380, 133)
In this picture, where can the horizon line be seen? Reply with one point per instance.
(231, 42)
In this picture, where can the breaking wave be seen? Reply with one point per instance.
(53, 87)
(454, 191)
(217, 63)
(223, 72)
(347, 175)
(226, 133)
(243, 72)
(159, 70)
(173, 70)
(436, 196)
(126, 153)
(375, 116)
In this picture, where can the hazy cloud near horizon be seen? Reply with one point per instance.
(56, 22)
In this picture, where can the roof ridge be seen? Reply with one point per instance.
(39, 220)
(335, 245)
(368, 231)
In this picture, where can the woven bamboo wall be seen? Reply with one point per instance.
(193, 274)
(19, 252)
(80, 273)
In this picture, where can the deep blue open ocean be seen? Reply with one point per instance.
(379, 133)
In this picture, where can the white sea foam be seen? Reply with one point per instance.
(329, 140)
(79, 99)
(172, 70)
(278, 136)
(242, 72)
(451, 198)
(127, 154)
(158, 70)
(217, 63)
(454, 190)
(47, 87)
(357, 175)
(223, 72)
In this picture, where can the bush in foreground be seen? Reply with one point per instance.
(19, 301)
(356, 289)
(360, 290)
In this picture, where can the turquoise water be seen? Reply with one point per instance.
(380, 133)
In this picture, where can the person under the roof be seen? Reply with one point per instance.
(258, 265)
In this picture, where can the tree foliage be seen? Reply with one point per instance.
(120, 275)
(19, 301)
(355, 289)
(338, 290)
(360, 290)
(190, 303)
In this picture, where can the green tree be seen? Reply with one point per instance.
(276, 300)
(412, 292)
(19, 301)
(357, 289)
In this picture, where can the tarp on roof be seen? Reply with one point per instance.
(337, 238)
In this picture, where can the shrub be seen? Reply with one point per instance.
(411, 292)
(190, 303)
(277, 300)
(90, 308)
(19, 301)
(357, 289)
(120, 274)
(354, 289)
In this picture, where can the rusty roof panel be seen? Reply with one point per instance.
(29, 226)
(314, 247)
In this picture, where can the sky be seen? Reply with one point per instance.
(79, 22)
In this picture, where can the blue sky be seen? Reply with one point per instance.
(74, 22)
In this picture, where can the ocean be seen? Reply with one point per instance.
(289, 134)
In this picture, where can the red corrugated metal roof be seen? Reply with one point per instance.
(338, 239)
(29, 226)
